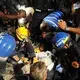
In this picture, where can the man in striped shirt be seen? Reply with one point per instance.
(51, 20)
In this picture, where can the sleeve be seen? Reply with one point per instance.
(77, 47)
(30, 49)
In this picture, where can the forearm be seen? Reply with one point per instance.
(63, 25)
(8, 16)
(74, 30)
(15, 16)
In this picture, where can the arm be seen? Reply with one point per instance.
(63, 25)
(8, 16)
(12, 16)
(74, 30)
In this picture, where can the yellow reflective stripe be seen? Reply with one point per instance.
(65, 40)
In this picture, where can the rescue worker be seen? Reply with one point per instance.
(51, 21)
(24, 46)
(68, 55)
(24, 53)
(7, 48)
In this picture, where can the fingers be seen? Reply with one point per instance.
(60, 20)
(62, 24)
(75, 64)
(22, 13)
(42, 25)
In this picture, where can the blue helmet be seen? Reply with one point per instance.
(7, 45)
(60, 39)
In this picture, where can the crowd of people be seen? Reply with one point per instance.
(39, 39)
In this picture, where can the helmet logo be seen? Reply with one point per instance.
(65, 40)
(62, 41)
(2, 37)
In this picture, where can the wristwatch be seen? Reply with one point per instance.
(67, 29)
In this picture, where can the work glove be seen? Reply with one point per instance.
(59, 68)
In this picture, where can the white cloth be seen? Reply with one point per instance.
(28, 10)
(21, 20)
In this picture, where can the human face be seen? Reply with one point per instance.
(67, 45)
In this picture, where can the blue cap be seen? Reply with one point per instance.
(7, 45)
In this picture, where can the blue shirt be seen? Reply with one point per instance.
(52, 19)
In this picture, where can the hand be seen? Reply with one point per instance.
(44, 34)
(62, 24)
(22, 14)
(75, 64)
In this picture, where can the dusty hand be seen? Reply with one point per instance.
(22, 13)
(62, 24)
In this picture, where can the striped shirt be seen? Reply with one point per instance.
(52, 19)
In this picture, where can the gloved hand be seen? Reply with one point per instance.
(59, 68)
(75, 64)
